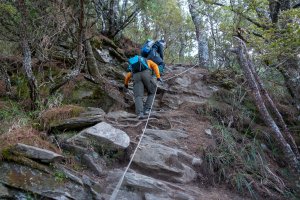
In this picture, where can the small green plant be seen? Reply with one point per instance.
(29, 197)
(10, 111)
(59, 176)
(12, 116)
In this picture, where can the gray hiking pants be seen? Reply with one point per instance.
(140, 80)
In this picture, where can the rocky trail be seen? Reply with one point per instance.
(166, 165)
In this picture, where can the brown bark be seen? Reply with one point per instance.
(32, 83)
(269, 121)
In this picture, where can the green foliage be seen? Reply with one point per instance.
(243, 164)
(22, 88)
(8, 48)
(59, 176)
(31, 196)
(12, 114)
(8, 8)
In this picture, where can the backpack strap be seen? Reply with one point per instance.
(144, 62)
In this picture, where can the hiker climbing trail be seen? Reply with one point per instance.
(116, 190)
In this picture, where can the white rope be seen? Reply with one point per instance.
(117, 188)
(181, 72)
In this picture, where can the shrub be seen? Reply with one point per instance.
(242, 163)
(59, 113)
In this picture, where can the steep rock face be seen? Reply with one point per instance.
(188, 87)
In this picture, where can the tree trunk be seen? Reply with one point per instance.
(29, 73)
(287, 135)
(91, 60)
(274, 7)
(291, 73)
(200, 36)
(145, 24)
(32, 83)
(112, 17)
(6, 79)
(80, 55)
(254, 88)
(182, 45)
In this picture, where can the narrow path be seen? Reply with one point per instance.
(167, 164)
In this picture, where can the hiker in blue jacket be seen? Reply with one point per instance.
(157, 55)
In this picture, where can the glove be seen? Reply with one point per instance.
(160, 81)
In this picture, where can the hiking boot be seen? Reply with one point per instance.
(141, 116)
(147, 111)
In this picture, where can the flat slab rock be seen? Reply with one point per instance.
(36, 153)
(89, 117)
(165, 135)
(103, 134)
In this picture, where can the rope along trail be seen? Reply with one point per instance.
(117, 188)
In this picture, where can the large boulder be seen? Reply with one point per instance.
(188, 87)
(102, 135)
(163, 162)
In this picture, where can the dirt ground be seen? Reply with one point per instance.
(187, 120)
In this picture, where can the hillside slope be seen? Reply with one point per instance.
(167, 164)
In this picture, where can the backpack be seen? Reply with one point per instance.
(137, 64)
(146, 48)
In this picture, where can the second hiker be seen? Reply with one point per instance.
(155, 51)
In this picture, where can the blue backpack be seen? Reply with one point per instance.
(137, 64)
(146, 48)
